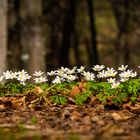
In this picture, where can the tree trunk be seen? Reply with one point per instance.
(66, 34)
(76, 49)
(122, 15)
(95, 57)
(32, 34)
(3, 35)
(126, 51)
(51, 56)
(90, 61)
(14, 36)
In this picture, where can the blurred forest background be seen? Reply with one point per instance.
(46, 34)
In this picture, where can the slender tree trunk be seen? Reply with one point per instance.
(76, 49)
(66, 37)
(51, 56)
(76, 38)
(121, 13)
(126, 51)
(95, 57)
(14, 36)
(89, 52)
(3, 34)
(32, 33)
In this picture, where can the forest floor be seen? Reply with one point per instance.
(69, 122)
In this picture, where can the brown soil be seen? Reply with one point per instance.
(69, 122)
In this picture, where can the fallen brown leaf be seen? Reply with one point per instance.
(78, 88)
(75, 90)
(38, 90)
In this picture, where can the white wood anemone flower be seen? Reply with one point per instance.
(62, 74)
(38, 73)
(123, 67)
(115, 85)
(98, 67)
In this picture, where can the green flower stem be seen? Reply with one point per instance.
(51, 87)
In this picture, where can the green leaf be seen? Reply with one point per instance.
(59, 99)
(82, 98)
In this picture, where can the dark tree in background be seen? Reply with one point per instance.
(122, 15)
(53, 12)
(94, 52)
(14, 35)
(68, 26)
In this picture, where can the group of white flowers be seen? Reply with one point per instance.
(112, 76)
